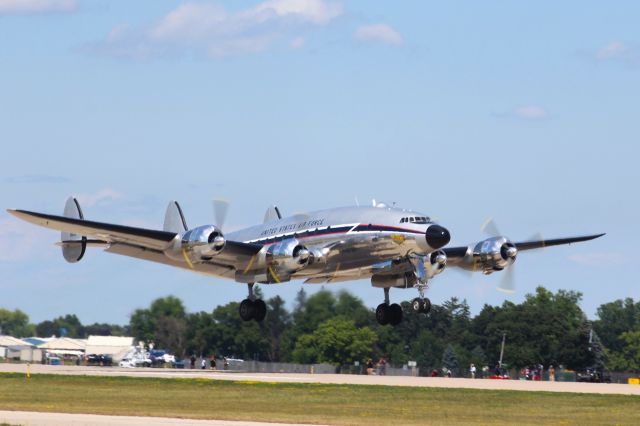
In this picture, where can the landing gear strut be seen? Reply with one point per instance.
(420, 304)
(252, 308)
(388, 314)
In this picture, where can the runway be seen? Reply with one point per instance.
(435, 382)
(30, 418)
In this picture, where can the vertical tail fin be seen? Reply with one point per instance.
(174, 219)
(73, 245)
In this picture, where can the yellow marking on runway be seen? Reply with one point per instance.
(253, 258)
(273, 274)
(186, 258)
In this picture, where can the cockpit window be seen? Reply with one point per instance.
(416, 219)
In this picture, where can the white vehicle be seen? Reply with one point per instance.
(127, 363)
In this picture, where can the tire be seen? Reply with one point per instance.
(417, 305)
(395, 314)
(246, 310)
(382, 314)
(259, 310)
(426, 307)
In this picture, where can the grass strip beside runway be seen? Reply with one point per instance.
(308, 403)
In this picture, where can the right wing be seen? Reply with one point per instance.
(463, 256)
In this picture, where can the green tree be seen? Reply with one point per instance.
(615, 318)
(68, 325)
(15, 323)
(276, 323)
(336, 341)
(628, 358)
(450, 360)
(164, 323)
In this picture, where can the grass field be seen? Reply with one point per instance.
(309, 403)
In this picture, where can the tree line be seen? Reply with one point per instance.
(337, 328)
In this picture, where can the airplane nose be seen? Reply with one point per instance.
(437, 236)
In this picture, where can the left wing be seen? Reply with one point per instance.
(142, 243)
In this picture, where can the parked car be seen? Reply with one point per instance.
(178, 363)
(158, 356)
(593, 375)
(101, 360)
(131, 362)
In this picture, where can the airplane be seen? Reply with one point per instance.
(395, 248)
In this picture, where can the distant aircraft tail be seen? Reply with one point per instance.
(73, 245)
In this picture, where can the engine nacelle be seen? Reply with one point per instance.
(404, 280)
(197, 244)
(287, 256)
(436, 264)
(494, 254)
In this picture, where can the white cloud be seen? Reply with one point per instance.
(35, 7)
(618, 51)
(103, 196)
(297, 43)
(381, 33)
(613, 50)
(210, 29)
(530, 112)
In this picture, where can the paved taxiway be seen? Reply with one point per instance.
(29, 418)
(439, 382)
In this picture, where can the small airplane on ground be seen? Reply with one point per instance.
(394, 247)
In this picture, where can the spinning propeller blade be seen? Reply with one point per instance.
(220, 208)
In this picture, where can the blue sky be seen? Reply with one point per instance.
(523, 111)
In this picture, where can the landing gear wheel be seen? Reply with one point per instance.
(421, 305)
(259, 310)
(382, 314)
(426, 307)
(395, 314)
(247, 309)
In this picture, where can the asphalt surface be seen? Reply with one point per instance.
(29, 418)
(439, 382)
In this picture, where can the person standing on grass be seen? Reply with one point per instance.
(203, 363)
(213, 362)
(472, 370)
(193, 361)
(552, 374)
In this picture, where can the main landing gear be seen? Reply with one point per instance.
(388, 314)
(252, 308)
(392, 313)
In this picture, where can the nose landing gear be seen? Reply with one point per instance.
(421, 304)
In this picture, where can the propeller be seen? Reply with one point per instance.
(507, 283)
(490, 228)
(220, 209)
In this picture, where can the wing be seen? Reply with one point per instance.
(455, 255)
(142, 243)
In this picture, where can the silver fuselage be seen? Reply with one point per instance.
(355, 240)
